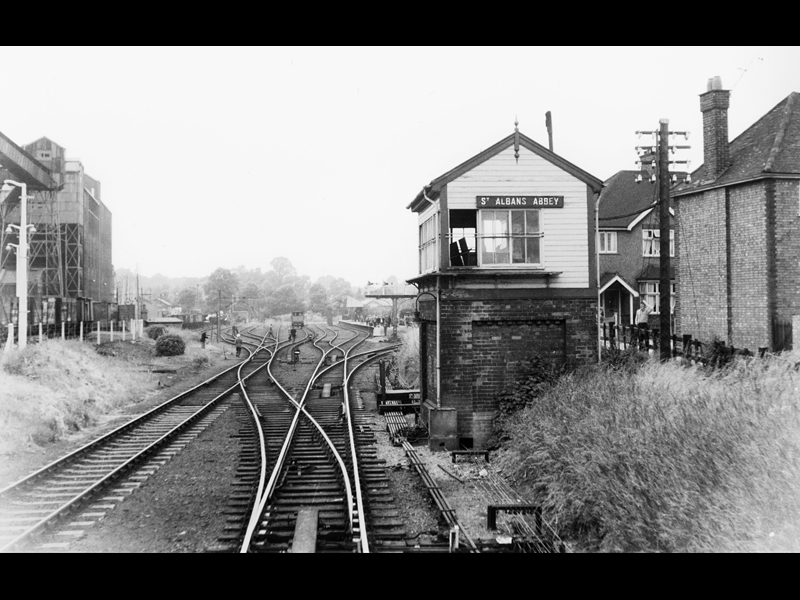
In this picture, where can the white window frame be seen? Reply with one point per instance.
(428, 244)
(651, 242)
(608, 242)
(512, 240)
(650, 292)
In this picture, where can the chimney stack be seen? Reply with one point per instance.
(714, 106)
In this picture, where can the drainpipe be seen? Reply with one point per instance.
(438, 343)
(424, 195)
(436, 297)
(597, 267)
(438, 325)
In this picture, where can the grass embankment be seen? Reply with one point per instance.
(664, 457)
(58, 387)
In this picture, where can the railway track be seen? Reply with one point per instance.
(308, 479)
(68, 494)
(320, 458)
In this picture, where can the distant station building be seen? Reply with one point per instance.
(70, 251)
(507, 270)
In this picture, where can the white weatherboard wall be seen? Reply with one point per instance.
(566, 230)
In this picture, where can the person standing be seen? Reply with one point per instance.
(238, 344)
(642, 322)
(203, 337)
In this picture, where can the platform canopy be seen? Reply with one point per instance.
(391, 291)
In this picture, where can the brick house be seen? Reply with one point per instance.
(629, 250)
(738, 229)
(506, 270)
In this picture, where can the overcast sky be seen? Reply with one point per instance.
(221, 157)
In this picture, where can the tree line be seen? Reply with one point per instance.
(263, 294)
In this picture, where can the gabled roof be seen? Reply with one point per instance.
(382, 302)
(608, 279)
(45, 138)
(622, 200)
(351, 302)
(771, 145)
(432, 190)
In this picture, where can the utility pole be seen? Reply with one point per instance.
(662, 150)
(219, 311)
(664, 279)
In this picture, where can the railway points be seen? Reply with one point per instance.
(280, 472)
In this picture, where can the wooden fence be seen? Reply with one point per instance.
(625, 337)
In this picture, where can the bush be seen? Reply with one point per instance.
(155, 331)
(628, 359)
(404, 364)
(537, 378)
(722, 356)
(170, 345)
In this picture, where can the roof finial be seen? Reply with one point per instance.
(516, 139)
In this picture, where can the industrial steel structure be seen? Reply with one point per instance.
(70, 251)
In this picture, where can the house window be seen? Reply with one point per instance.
(427, 245)
(651, 242)
(650, 292)
(510, 237)
(45, 154)
(608, 242)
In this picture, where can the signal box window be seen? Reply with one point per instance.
(510, 237)
(427, 245)
(463, 231)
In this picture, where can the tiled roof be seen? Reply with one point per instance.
(623, 200)
(770, 145)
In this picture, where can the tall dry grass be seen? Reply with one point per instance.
(667, 457)
(50, 389)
